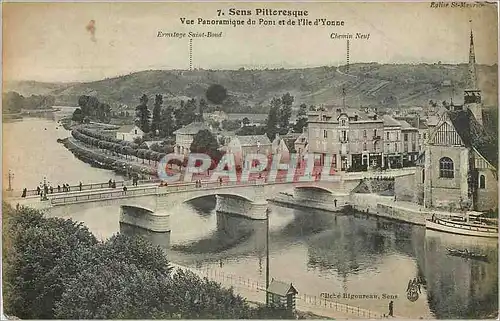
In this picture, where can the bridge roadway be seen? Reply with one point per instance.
(147, 205)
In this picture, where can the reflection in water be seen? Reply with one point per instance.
(460, 287)
(159, 238)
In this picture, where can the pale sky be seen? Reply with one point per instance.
(50, 42)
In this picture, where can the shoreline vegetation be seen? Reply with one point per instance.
(55, 268)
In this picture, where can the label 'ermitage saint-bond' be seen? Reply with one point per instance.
(250, 160)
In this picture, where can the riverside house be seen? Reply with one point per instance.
(129, 133)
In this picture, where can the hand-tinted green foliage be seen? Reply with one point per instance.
(55, 268)
(44, 254)
(137, 251)
(114, 290)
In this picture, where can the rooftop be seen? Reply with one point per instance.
(253, 140)
(389, 121)
(281, 288)
(474, 135)
(192, 129)
(126, 128)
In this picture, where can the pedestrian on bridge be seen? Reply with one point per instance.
(110, 182)
(51, 190)
(391, 308)
(25, 190)
(80, 186)
(38, 190)
(124, 190)
(59, 188)
(335, 202)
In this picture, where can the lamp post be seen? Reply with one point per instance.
(11, 177)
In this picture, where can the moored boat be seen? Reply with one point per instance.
(467, 254)
(462, 227)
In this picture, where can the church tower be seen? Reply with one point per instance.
(472, 95)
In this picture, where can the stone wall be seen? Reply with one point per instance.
(136, 216)
(404, 188)
(487, 198)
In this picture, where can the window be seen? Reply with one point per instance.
(446, 168)
(387, 136)
(397, 136)
(482, 181)
(342, 122)
(396, 147)
(375, 146)
(413, 147)
(325, 134)
(364, 133)
(374, 132)
(423, 175)
(405, 137)
(344, 135)
(364, 146)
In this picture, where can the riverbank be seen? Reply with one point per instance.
(307, 305)
(110, 162)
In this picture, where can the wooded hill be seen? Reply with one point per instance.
(366, 84)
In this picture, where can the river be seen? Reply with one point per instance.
(319, 252)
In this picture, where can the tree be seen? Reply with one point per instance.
(204, 142)
(167, 124)
(285, 111)
(77, 115)
(272, 119)
(45, 254)
(231, 125)
(114, 290)
(301, 119)
(143, 114)
(202, 107)
(186, 114)
(156, 122)
(216, 94)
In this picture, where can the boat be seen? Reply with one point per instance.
(467, 254)
(462, 226)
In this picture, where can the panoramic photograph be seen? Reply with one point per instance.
(250, 160)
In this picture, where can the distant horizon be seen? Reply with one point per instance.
(246, 68)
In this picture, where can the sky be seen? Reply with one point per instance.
(53, 42)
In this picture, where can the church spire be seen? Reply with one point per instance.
(472, 95)
(472, 80)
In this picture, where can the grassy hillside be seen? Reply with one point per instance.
(366, 84)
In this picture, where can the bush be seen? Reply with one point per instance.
(55, 268)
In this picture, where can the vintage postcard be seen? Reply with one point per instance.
(250, 160)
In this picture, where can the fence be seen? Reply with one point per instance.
(305, 301)
(103, 195)
(92, 186)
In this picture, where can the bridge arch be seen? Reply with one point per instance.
(221, 194)
(312, 188)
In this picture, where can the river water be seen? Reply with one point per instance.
(319, 252)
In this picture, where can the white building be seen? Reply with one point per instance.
(240, 146)
(185, 136)
(129, 133)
